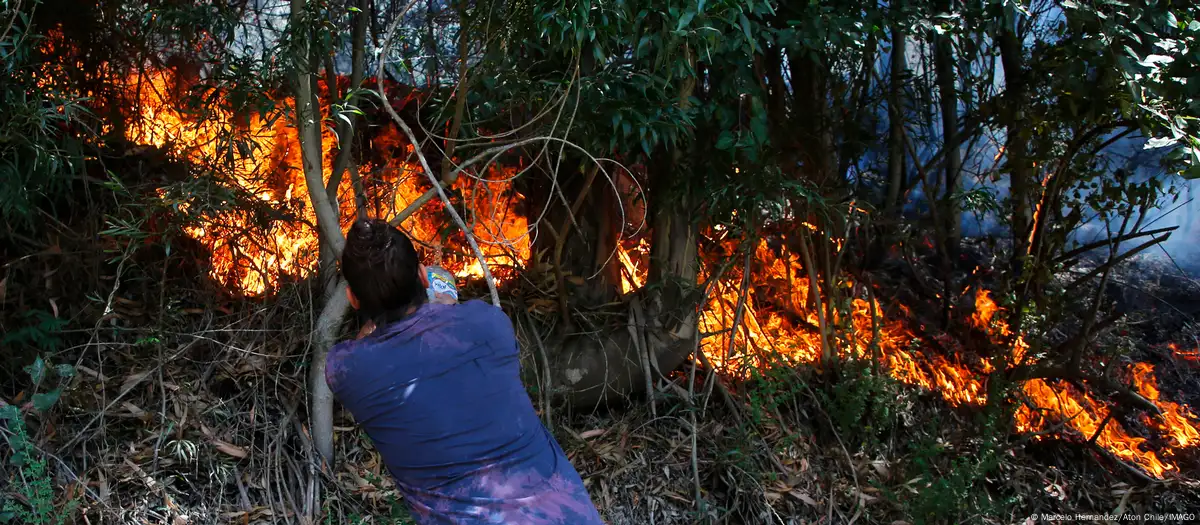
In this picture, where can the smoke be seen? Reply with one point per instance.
(1179, 207)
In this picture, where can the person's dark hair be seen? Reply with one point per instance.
(382, 268)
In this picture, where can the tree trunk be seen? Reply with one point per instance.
(591, 368)
(896, 175)
(1015, 145)
(308, 122)
(588, 232)
(809, 96)
(943, 58)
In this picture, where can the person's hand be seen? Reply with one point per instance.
(367, 329)
(441, 298)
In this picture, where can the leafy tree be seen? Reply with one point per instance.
(40, 129)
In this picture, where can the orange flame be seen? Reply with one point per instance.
(778, 317)
(1047, 405)
(765, 331)
(1191, 356)
(265, 161)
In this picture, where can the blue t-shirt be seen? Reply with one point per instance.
(440, 395)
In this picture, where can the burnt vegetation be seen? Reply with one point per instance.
(768, 262)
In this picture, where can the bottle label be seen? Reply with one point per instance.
(440, 283)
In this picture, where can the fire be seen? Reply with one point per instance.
(1048, 405)
(985, 309)
(633, 276)
(778, 317)
(767, 331)
(1176, 420)
(1084, 414)
(262, 159)
(1191, 356)
(985, 319)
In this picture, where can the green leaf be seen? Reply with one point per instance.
(746, 28)
(66, 371)
(725, 140)
(37, 371)
(684, 20)
(43, 402)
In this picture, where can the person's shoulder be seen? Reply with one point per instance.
(476, 307)
(478, 311)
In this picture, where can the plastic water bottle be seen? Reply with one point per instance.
(441, 281)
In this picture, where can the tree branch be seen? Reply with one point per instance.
(437, 185)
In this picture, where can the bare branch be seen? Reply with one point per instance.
(487, 274)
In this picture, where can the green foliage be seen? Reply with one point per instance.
(1157, 49)
(41, 331)
(947, 495)
(744, 199)
(39, 148)
(34, 484)
(771, 388)
(863, 404)
(946, 485)
(36, 487)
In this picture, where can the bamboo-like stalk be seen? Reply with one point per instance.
(813, 289)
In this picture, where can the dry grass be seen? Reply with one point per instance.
(189, 408)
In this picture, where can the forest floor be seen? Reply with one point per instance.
(185, 410)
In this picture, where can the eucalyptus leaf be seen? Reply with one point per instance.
(745, 22)
(43, 401)
(684, 20)
(37, 370)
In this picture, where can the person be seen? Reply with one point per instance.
(437, 389)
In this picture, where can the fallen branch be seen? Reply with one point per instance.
(1100, 244)
(1117, 260)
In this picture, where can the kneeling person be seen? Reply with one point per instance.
(437, 388)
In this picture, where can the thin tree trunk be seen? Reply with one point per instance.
(1016, 147)
(899, 66)
(431, 49)
(850, 127)
(809, 98)
(943, 58)
(308, 122)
